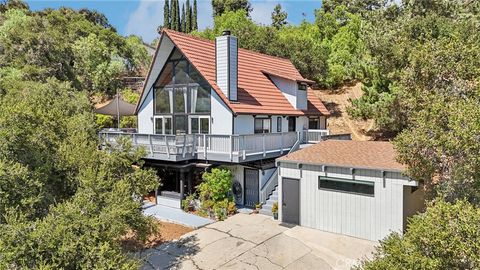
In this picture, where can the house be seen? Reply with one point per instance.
(348, 187)
(209, 103)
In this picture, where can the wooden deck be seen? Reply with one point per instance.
(225, 148)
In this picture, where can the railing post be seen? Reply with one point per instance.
(151, 144)
(263, 142)
(204, 146)
(244, 148)
(281, 143)
(166, 145)
(231, 148)
(184, 145)
(194, 144)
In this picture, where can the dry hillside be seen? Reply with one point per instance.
(337, 101)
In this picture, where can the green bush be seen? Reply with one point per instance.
(446, 236)
(104, 121)
(215, 193)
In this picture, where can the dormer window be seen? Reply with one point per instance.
(302, 86)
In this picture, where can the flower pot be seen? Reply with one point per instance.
(275, 216)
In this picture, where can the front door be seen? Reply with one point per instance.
(251, 188)
(291, 200)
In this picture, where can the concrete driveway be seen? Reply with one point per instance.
(257, 242)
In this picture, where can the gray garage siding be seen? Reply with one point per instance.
(351, 214)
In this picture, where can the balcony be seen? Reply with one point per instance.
(225, 148)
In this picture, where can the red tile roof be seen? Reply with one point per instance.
(356, 154)
(257, 94)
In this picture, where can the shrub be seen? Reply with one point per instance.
(446, 236)
(215, 193)
(275, 207)
(216, 185)
(104, 121)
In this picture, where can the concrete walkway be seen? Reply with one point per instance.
(174, 215)
(257, 242)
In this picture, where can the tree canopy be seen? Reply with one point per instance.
(63, 203)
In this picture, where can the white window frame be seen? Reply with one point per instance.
(190, 117)
(163, 117)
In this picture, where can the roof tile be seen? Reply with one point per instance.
(256, 92)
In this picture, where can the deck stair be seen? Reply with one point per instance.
(267, 207)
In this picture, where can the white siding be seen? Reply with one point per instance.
(288, 88)
(243, 124)
(226, 65)
(360, 216)
(301, 100)
(145, 114)
(221, 116)
(302, 123)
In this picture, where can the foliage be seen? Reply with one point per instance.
(446, 236)
(222, 6)
(188, 202)
(329, 57)
(49, 43)
(85, 231)
(216, 185)
(63, 203)
(275, 207)
(279, 17)
(104, 121)
(215, 193)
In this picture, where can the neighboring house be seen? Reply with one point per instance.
(348, 187)
(207, 103)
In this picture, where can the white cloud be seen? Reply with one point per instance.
(145, 19)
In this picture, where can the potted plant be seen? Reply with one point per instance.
(258, 206)
(275, 210)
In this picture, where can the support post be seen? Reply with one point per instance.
(231, 148)
(204, 146)
(166, 144)
(281, 143)
(182, 188)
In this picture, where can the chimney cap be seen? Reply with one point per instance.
(226, 32)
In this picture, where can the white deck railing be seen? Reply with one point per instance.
(314, 135)
(232, 146)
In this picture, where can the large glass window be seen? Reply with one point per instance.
(345, 185)
(180, 90)
(181, 125)
(199, 124)
(180, 100)
(262, 125)
(163, 98)
(163, 125)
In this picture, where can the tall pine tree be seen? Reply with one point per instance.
(173, 15)
(166, 15)
(183, 21)
(188, 18)
(279, 17)
(194, 16)
(177, 16)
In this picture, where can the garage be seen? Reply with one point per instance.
(352, 188)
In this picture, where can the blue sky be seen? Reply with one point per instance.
(141, 17)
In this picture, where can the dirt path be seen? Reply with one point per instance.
(337, 102)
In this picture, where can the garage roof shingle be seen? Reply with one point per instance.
(343, 153)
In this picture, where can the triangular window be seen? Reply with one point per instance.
(181, 91)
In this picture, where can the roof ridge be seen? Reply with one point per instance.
(212, 41)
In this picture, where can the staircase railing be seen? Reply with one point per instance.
(267, 189)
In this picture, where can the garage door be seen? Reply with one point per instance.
(291, 200)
